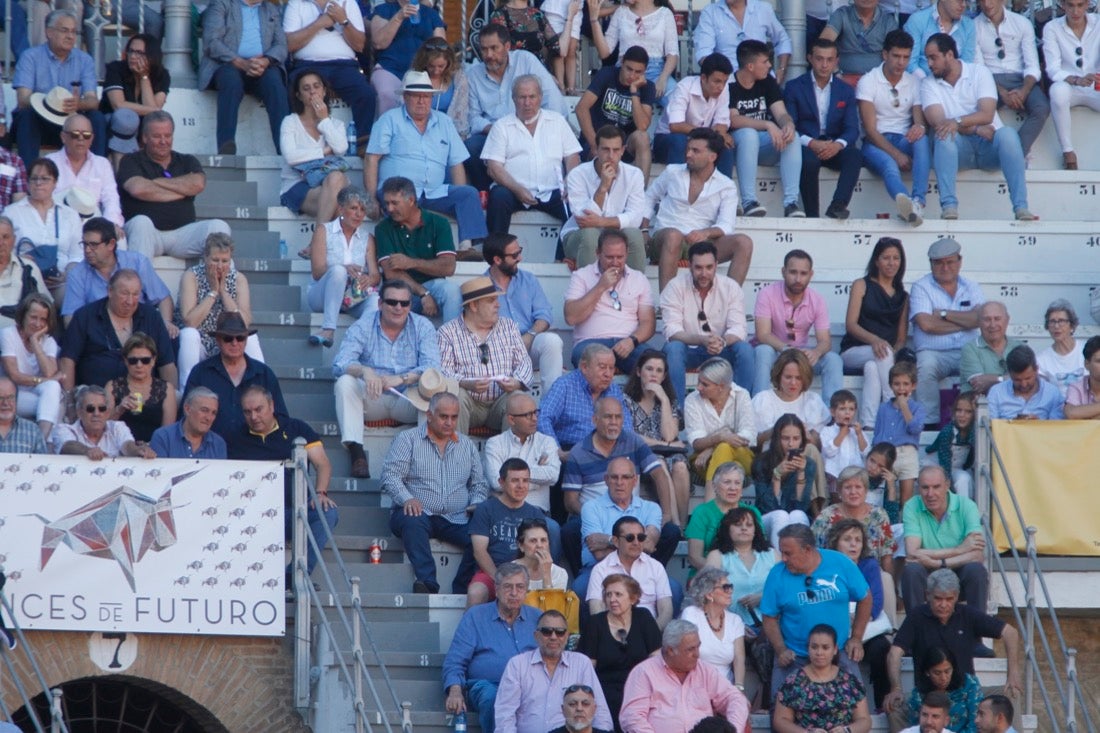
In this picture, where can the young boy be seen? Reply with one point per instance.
(899, 422)
(843, 443)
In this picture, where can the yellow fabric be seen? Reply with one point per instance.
(555, 599)
(724, 453)
(1051, 468)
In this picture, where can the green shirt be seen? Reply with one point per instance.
(429, 240)
(962, 518)
(977, 357)
(704, 522)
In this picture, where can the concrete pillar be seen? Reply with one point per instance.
(793, 17)
(177, 43)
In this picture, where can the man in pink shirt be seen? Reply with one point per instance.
(672, 692)
(611, 304)
(785, 312)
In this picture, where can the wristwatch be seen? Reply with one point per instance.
(943, 315)
(943, 563)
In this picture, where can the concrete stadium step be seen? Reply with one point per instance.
(238, 216)
(239, 192)
(272, 296)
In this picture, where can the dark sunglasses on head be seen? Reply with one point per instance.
(552, 631)
(135, 360)
(240, 338)
(394, 302)
(580, 688)
(92, 409)
(632, 537)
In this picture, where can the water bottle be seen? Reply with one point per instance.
(353, 136)
(460, 723)
(415, 20)
(283, 249)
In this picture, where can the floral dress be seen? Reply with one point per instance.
(825, 705)
(964, 705)
(529, 28)
(648, 424)
(203, 289)
(880, 536)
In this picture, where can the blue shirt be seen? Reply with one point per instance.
(890, 426)
(565, 412)
(928, 296)
(483, 643)
(925, 23)
(585, 467)
(85, 284)
(168, 442)
(600, 514)
(491, 100)
(718, 30)
(211, 373)
(423, 158)
(251, 44)
(24, 437)
(1046, 404)
(525, 301)
(397, 57)
(414, 350)
(40, 70)
(834, 583)
(91, 342)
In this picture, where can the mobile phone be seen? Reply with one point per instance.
(793, 453)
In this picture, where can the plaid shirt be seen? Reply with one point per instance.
(463, 356)
(567, 407)
(13, 177)
(24, 437)
(445, 485)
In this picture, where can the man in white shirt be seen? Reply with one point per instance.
(523, 440)
(697, 101)
(681, 219)
(77, 165)
(895, 136)
(606, 193)
(525, 154)
(1006, 45)
(960, 104)
(1071, 48)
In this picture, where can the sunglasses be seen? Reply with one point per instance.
(632, 537)
(615, 302)
(790, 329)
(553, 631)
(639, 26)
(484, 349)
(92, 409)
(727, 587)
(1080, 62)
(1000, 47)
(810, 591)
(240, 339)
(894, 93)
(395, 303)
(135, 360)
(86, 244)
(704, 322)
(580, 688)
(80, 135)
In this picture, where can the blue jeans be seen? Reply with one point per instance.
(754, 148)
(232, 83)
(652, 71)
(671, 147)
(682, 357)
(446, 295)
(415, 534)
(481, 696)
(30, 129)
(327, 295)
(971, 151)
(881, 164)
(829, 367)
(476, 172)
(347, 80)
(463, 203)
(623, 365)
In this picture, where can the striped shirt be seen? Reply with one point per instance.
(463, 356)
(23, 437)
(444, 484)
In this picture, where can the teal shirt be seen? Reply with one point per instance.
(962, 518)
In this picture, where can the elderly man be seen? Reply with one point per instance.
(528, 153)
(605, 194)
(692, 203)
(674, 691)
(697, 101)
(611, 304)
(578, 709)
(266, 436)
(995, 715)
(948, 17)
(628, 558)
(158, 187)
(960, 104)
(91, 352)
(723, 26)
(487, 637)
(718, 327)
(192, 436)
(79, 167)
(416, 246)
(812, 586)
(434, 477)
(93, 435)
(17, 434)
(942, 622)
(943, 308)
(423, 145)
(523, 440)
(485, 354)
(620, 96)
(491, 83)
(523, 301)
(382, 352)
(527, 696)
(51, 82)
(943, 530)
(860, 31)
(1024, 396)
(569, 406)
(934, 714)
(244, 50)
(982, 361)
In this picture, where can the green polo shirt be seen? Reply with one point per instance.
(429, 240)
(962, 518)
(977, 357)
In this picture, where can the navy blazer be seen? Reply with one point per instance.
(842, 119)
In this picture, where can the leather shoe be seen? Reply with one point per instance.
(360, 468)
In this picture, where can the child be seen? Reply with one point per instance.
(899, 422)
(784, 476)
(884, 484)
(843, 443)
(954, 446)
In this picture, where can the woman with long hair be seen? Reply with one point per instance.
(139, 80)
(784, 476)
(444, 66)
(646, 23)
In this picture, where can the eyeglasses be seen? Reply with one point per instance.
(135, 52)
(86, 244)
(632, 537)
(1057, 321)
(80, 134)
(240, 339)
(135, 360)
(41, 179)
(1080, 62)
(7, 398)
(615, 302)
(553, 631)
(583, 688)
(639, 26)
(727, 587)
(621, 477)
(484, 349)
(528, 415)
(704, 322)
(63, 31)
(92, 409)
(809, 590)
(513, 255)
(1000, 47)
(395, 303)
(896, 101)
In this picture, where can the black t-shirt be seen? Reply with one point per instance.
(755, 102)
(614, 105)
(117, 75)
(166, 215)
(966, 627)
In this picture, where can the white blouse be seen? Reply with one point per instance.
(298, 146)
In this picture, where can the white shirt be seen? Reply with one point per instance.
(1017, 41)
(327, 45)
(61, 227)
(625, 199)
(1060, 46)
(12, 345)
(875, 88)
(1061, 371)
(716, 652)
(298, 146)
(658, 33)
(724, 307)
(809, 408)
(689, 105)
(535, 161)
(500, 448)
(839, 457)
(115, 435)
(701, 419)
(96, 176)
(716, 205)
(975, 83)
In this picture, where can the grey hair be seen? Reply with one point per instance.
(352, 195)
(8, 221)
(704, 582)
(675, 632)
(717, 370)
(943, 580)
(854, 472)
(989, 303)
(88, 389)
(1061, 304)
(220, 241)
(729, 467)
(60, 13)
(197, 393)
(526, 79)
(439, 397)
(934, 467)
(510, 569)
(800, 532)
(157, 116)
(593, 350)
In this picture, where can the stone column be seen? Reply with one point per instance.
(177, 43)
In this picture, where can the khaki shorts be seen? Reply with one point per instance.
(907, 465)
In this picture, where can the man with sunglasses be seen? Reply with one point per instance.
(78, 166)
(628, 536)
(93, 435)
(1071, 49)
(527, 700)
(382, 352)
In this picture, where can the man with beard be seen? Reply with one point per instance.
(935, 713)
(579, 710)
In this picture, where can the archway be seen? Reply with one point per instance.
(123, 704)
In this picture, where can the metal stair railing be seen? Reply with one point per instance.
(1069, 694)
(57, 723)
(357, 627)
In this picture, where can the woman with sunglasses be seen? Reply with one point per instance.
(94, 435)
(533, 552)
(444, 67)
(41, 222)
(721, 633)
(30, 361)
(646, 23)
(140, 400)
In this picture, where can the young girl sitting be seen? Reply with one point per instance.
(954, 446)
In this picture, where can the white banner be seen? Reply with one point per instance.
(163, 546)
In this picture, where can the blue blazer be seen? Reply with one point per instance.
(842, 119)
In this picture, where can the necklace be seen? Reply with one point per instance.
(721, 622)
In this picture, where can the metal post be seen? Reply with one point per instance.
(1071, 678)
(794, 21)
(298, 575)
(7, 46)
(55, 710)
(406, 717)
(1030, 571)
(177, 42)
(463, 28)
(357, 652)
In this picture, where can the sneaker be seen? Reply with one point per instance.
(916, 216)
(793, 211)
(950, 213)
(905, 206)
(1022, 214)
(837, 210)
(753, 208)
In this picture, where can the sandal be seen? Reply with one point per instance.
(1069, 161)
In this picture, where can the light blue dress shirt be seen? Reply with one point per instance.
(525, 302)
(414, 350)
(719, 31)
(924, 24)
(423, 158)
(490, 100)
(85, 285)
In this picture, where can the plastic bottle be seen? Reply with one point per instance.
(283, 249)
(415, 20)
(353, 136)
(460, 723)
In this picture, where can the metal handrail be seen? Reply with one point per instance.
(57, 722)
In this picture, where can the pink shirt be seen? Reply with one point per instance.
(772, 304)
(649, 573)
(655, 699)
(634, 293)
(1080, 393)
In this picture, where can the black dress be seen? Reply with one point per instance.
(151, 416)
(614, 658)
(879, 313)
